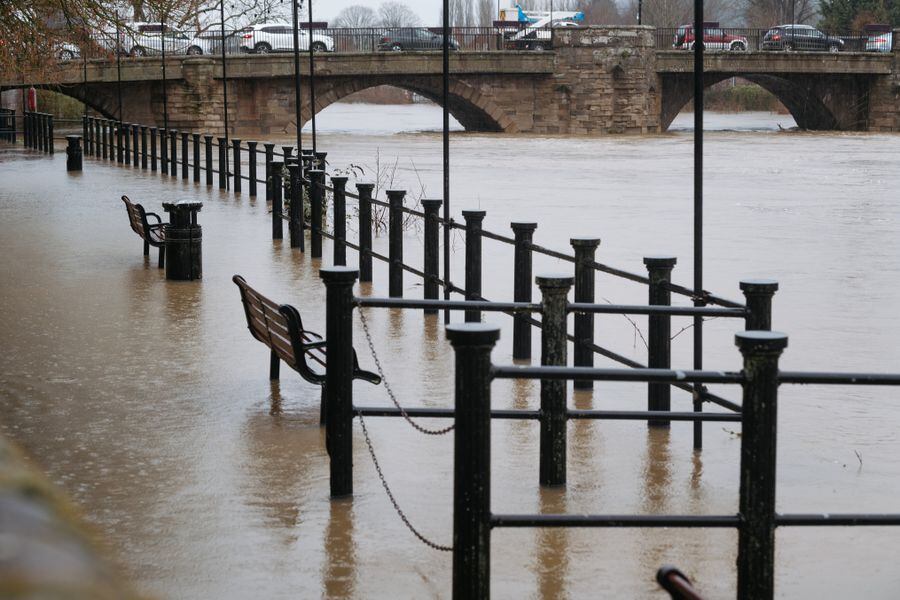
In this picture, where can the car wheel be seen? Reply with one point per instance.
(396, 47)
(66, 55)
(262, 48)
(788, 47)
(834, 48)
(319, 47)
(538, 47)
(194, 51)
(738, 47)
(138, 51)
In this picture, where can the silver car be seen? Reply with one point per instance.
(279, 37)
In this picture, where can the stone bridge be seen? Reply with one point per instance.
(598, 80)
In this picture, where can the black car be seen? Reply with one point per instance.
(413, 39)
(800, 37)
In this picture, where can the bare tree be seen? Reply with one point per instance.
(356, 16)
(397, 14)
(602, 12)
(765, 13)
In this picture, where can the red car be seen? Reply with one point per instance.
(714, 38)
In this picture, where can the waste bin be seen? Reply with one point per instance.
(184, 237)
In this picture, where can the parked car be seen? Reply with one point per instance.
(279, 37)
(65, 51)
(210, 42)
(714, 38)
(879, 38)
(145, 39)
(409, 38)
(800, 37)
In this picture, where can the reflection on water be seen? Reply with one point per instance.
(150, 404)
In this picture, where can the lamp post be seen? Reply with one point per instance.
(165, 85)
(445, 100)
(297, 112)
(640, 11)
(312, 80)
(224, 86)
(119, 64)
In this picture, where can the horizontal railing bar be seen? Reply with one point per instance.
(440, 413)
(447, 304)
(594, 374)
(842, 520)
(646, 415)
(557, 520)
(802, 377)
(683, 311)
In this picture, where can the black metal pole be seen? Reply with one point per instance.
(698, 210)
(523, 233)
(164, 80)
(223, 162)
(758, 295)
(474, 220)
(144, 147)
(224, 90)
(119, 66)
(585, 249)
(316, 196)
(270, 156)
(554, 294)
(659, 270)
(164, 151)
(312, 81)
(295, 224)
(298, 113)
(209, 158)
(472, 344)
(154, 134)
(135, 145)
(339, 376)
(277, 206)
(173, 158)
(445, 102)
(196, 141)
(251, 167)
(365, 230)
(339, 212)
(395, 243)
(236, 159)
(432, 251)
(759, 417)
(126, 141)
(185, 163)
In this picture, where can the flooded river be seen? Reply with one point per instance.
(149, 403)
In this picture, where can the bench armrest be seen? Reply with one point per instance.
(312, 345)
(156, 216)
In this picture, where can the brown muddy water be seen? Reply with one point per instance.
(149, 403)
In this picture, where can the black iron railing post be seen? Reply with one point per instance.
(395, 243)
(26, 128)
(120, 151)
(154, 135)
(50, 147)
(759, 423)
(339, 376)
(251, 167)
(270, 156)
(554, 301)
(163, 151)
(522, 282)
(74, 154)
(173, 153)
(472, 344)
(223, 162)
(659, 336)
(585, 249)
(135, 145)
(195, 139)
(758, 295)
(320, 159)
(295, 224)
(364, 190)
(236, 160)
(208, 152)
(85, 134)
(144, 147)
(474, 220)
(275, 184)
(126, 141)
(316, 200)
(185, 163)
(98, 138)
(432, 251)
(339, 212)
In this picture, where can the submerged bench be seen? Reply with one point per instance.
(280, 327)
(153, 234)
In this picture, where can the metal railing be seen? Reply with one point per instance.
(774, 39)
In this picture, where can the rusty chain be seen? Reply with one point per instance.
(390, 494)
(390, 391)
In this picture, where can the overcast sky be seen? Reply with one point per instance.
(428, 10)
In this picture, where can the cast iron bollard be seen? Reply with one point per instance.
(295, 223)
(277, 211)
(185, 164)
(144, 147)
(472, 344)
(136, 146)
(554, 294)
(306, 161)
(585, 249)
(431, 251)
(759, 425)
(50, 147)
(659, 395)
(236, 160)
(41, 132)
(120, 149)
(270, 156)
(208, 153)
(195, 140)
(85, 134)
(154, 134)
(173, 159)
(112, 140)
(395, 243)
(364, 190)
(98, 138)
(316, 200)
(474, 220)
(126, 142)
(320, 160)
(287, 151)
(758, 295)
(184, 238)
(163, 152)
(251, 159)
(523, 233)
(73, 153)
(339, 376)
(223, 162)
(339, 212)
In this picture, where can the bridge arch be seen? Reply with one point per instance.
(473, 110)
(813, 106)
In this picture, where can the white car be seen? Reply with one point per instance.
(65, 51)
(279, 37)
(146, 39)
